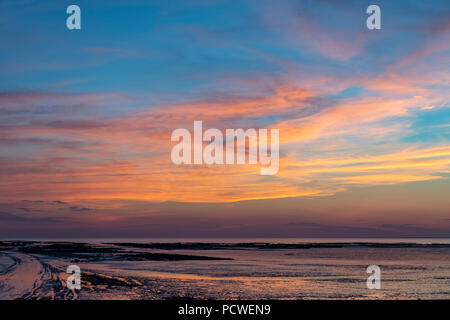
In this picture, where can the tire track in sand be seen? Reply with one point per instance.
(27, 277)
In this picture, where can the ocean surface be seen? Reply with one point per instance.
(244, 240)
(226, 268)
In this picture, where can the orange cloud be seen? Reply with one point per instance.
(129, 157)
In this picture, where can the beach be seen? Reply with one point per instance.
(224, 270)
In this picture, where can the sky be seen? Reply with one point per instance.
(86, 118)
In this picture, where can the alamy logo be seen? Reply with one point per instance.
(374, 20)
(213, 153)
(74, 281)
(74, 20)
(374, 280)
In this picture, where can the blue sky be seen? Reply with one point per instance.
(86, 115)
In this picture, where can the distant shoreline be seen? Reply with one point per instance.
(213, 244)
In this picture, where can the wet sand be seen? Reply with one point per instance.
(195, 270)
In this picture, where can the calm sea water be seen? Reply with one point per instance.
(247, 240)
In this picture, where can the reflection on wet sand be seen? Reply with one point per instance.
(37, 270)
